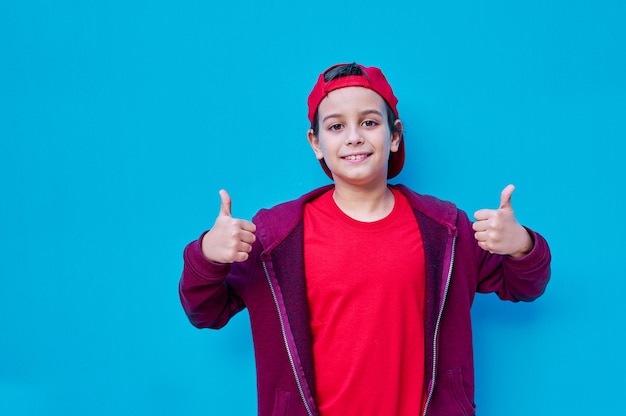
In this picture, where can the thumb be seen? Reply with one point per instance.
(225, 208)
(505, 197)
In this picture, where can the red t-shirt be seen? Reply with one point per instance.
(365, 285)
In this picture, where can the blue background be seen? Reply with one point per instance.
(120, 121)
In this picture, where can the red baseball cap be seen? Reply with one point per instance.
(371, 78)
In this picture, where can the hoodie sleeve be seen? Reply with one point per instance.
(515, 279)
(208, 296)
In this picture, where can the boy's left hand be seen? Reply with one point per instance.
(497, 230)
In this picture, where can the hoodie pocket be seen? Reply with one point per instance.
(454, 384)
(281, 403)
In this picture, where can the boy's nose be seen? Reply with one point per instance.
(354, 137)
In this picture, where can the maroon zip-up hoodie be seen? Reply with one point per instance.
(271, 284)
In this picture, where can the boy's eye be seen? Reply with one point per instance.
(335, 127)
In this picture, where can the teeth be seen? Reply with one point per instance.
(355, 157)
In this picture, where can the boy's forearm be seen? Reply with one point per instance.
(530, 273)
(203, 293)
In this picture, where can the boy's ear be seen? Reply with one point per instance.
(397, 136)
(314, 141)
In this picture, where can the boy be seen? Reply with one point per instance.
(359, 293)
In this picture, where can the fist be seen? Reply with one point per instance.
(230, 239)
(497, 231)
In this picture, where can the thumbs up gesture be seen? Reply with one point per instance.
(497, 231)
(230, 239)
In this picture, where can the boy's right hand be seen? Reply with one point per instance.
(230, 239)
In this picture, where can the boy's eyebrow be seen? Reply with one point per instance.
(362, 113)
(372, 111)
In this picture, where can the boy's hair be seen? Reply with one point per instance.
(346, 75)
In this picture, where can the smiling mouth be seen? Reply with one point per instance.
(356, 157)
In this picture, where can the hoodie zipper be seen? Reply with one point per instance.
(282, 328)
(445, 294)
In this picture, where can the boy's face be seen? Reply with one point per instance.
(354, 138)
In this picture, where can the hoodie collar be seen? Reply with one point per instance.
(275, 224)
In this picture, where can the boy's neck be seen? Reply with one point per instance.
(362, 204)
